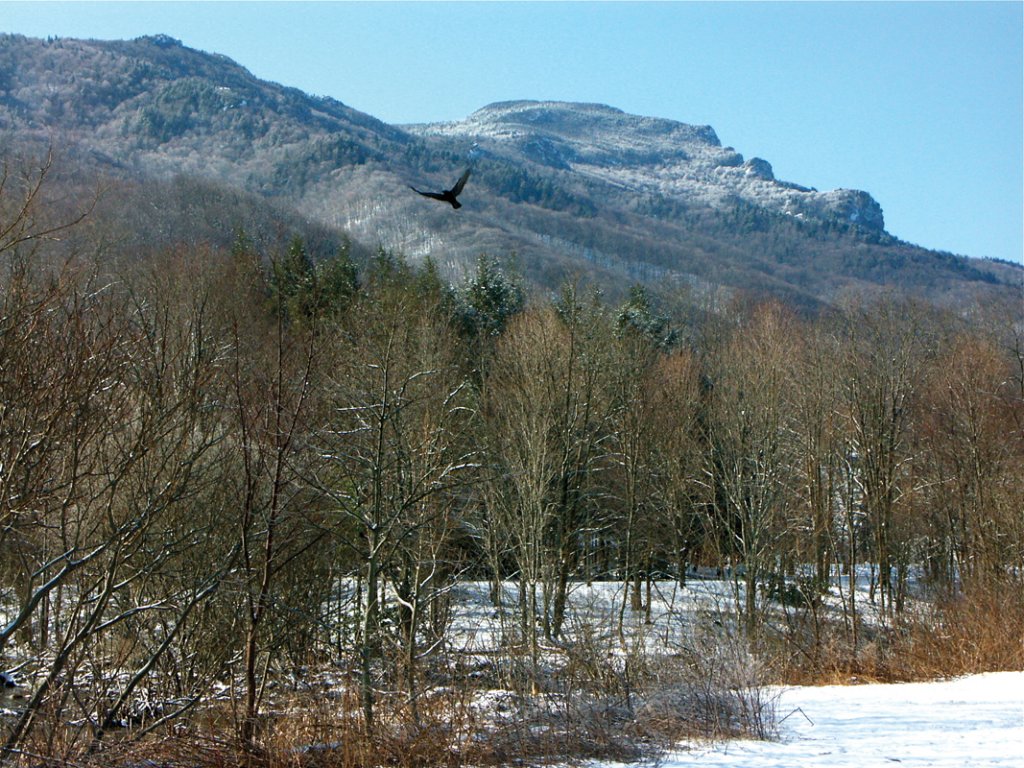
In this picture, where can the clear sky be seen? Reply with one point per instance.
(918, 103)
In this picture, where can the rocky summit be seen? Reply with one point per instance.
(649, 156)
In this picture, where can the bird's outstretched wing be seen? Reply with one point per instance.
(457, 189)
(433, 195)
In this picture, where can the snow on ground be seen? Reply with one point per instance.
(969, 722)
(975, 721)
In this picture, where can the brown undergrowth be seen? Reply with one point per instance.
(596, 701)
(979, 631)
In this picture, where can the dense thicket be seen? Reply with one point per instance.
(219, 466)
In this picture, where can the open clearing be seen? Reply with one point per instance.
(975, 721)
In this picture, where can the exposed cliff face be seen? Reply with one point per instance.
(648, 155)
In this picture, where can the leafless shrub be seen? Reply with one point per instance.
(714, 687)
(967, 633)
(964, 634)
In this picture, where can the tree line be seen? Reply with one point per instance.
(219, 465)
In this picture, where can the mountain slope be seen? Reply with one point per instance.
(574, 190)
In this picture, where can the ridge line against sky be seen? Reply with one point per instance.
(921, 104)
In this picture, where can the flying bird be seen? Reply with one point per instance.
(448, 195)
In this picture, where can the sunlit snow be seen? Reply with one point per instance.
(975, 721)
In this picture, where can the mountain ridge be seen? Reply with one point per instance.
(571, 189)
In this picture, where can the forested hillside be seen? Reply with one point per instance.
(576, 192)
(246, 495)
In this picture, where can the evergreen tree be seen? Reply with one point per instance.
(489, 300)
(292, 280)
(638, 316)
(336, 281)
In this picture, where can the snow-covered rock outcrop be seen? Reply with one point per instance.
(648, 155)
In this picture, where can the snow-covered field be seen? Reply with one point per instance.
(970, 722)
(974, 722)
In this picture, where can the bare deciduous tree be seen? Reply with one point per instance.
(392, 450)
(750, 449)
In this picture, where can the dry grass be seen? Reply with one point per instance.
(979, 631)
(982, 631)
(596, 705)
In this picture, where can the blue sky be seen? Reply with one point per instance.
(918, 103)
